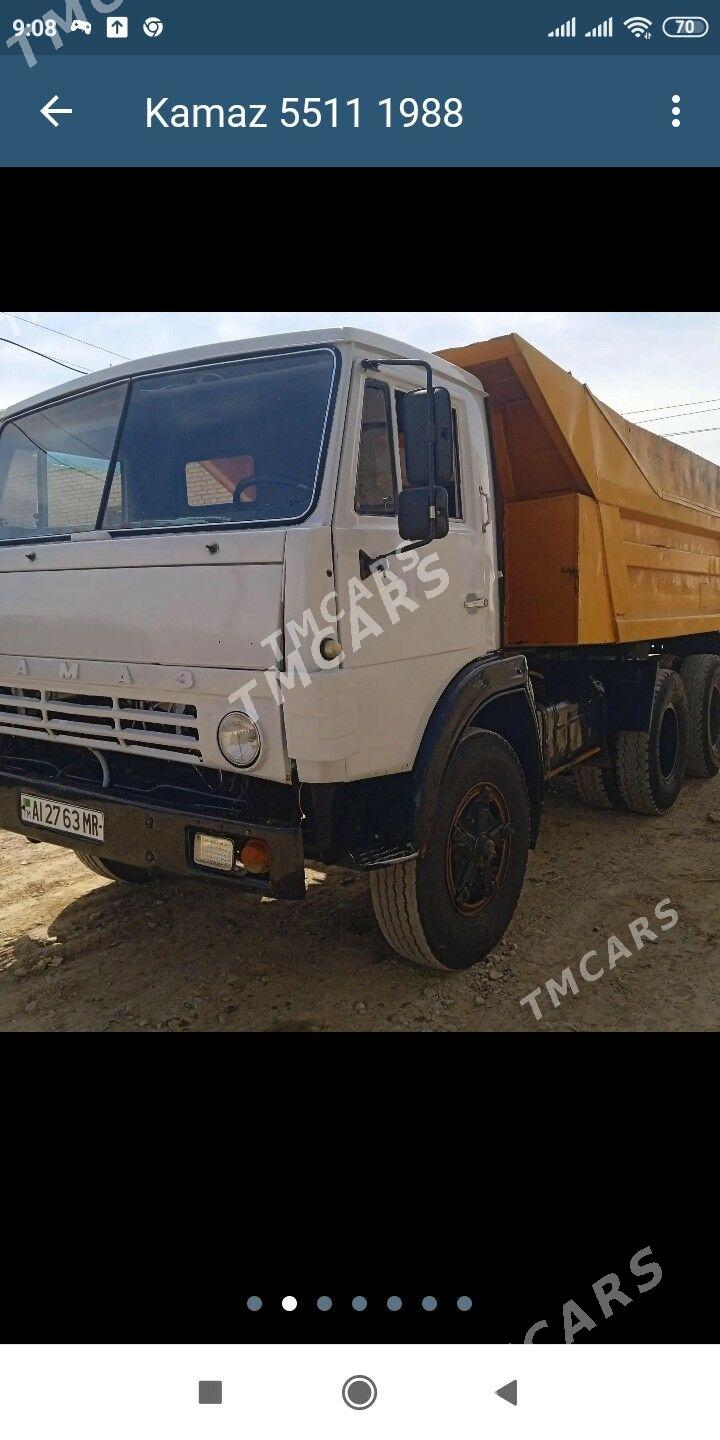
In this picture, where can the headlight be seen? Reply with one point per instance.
(239, 739)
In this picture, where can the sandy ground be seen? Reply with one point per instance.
(80, 953)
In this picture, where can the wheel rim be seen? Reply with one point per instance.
(668, 743)
(478, 849)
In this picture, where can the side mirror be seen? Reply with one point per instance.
(415, 420)
(415, 521)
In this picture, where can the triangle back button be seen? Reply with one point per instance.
(509, 1392)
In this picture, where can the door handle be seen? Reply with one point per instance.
(486, 502)
(475, 602)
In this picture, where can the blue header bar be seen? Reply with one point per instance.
(376, 111)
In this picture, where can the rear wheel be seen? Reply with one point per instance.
(452, 905)
(650, 765)
(111, 870)
(701, 678)
(596, 785)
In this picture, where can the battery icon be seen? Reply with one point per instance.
(685, 27)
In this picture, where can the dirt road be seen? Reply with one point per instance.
(79, 953)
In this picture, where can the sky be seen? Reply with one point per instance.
(633, 360)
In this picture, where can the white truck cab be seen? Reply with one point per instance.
(250, 601)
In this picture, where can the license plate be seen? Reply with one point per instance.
(56, 815)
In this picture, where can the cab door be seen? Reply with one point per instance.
(408, 630)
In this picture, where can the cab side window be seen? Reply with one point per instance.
(454, 489)
(376, 485)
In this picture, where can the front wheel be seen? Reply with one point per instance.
(450, 907)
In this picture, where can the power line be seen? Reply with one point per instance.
(52, 455)
(677, 415)
(703, 430)
(53, 358)
(65, 335)
(674, 405)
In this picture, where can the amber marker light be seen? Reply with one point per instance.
(255, 856)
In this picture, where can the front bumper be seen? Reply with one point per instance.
(161, 838)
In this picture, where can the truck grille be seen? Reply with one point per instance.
(102, 722)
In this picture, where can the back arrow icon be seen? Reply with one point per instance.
(50, 114)
(509, 1392)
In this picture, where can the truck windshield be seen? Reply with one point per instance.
(235, 443)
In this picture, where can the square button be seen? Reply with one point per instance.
(210, 1392)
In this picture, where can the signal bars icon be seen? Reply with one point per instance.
(566, 31)
(563, 32)
(603, 31)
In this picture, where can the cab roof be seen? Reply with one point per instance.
(382, 345)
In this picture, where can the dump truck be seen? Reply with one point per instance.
(327, 599)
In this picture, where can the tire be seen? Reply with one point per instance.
(448, 908)
(701, 678)
(650, 765)
(595, 785)
(110, 870)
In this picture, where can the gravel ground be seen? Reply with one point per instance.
(81, 953)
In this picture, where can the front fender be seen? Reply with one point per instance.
(494, 693)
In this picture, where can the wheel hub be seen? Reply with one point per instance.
(478, 848)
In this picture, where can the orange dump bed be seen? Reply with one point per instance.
(611, 534)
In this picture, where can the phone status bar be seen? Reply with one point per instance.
(151, 27)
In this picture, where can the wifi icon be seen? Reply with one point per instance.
(638, 26)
